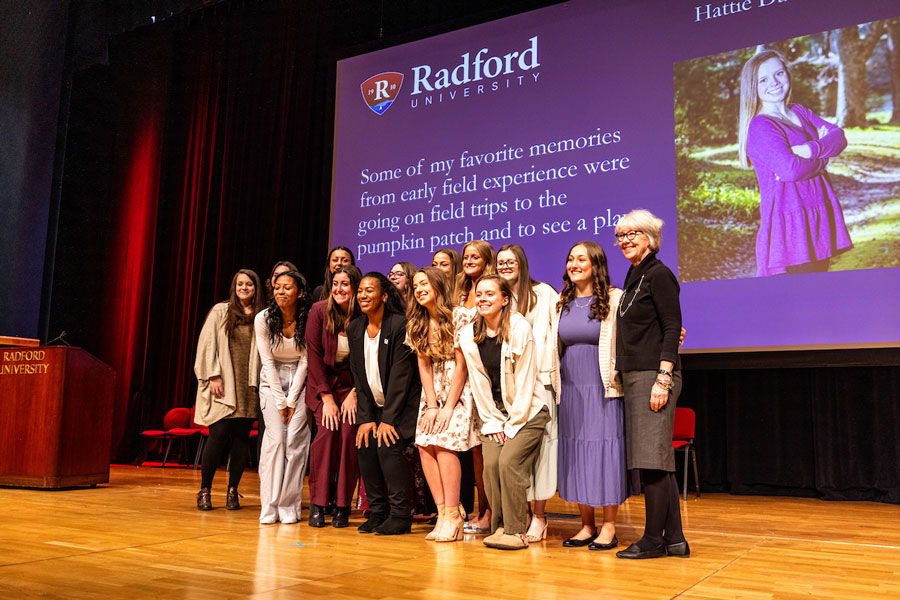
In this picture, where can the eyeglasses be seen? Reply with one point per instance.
(630, 235)
(502, 264)
(396, 274)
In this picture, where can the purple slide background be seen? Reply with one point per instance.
(606, 66)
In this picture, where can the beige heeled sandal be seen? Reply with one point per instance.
(534, 538)
(441, 513)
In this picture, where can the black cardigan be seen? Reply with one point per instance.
(399, 372)
(649, 319)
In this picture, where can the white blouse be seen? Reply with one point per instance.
(284, 366)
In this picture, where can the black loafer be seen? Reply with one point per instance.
(575, 543)
(394, 526)
(681, 549)
(341, 516)
(371, 523)
(597, 546)
(316, 516)
(634, 551)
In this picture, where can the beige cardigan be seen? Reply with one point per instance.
(214, 358)
(612, 380)
(540, 317)
(520, 385)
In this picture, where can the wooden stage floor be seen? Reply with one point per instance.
(141, 536)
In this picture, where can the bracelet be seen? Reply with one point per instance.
(664, 372)
(432, 408)
(666, 384)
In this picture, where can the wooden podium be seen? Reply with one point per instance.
(56, 406)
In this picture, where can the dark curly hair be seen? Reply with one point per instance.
(599, 279)
(274, 321)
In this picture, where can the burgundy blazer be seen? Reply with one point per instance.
(323, 376)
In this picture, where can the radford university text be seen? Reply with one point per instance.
(504, 72)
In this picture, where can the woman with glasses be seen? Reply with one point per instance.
(649, 327)
(536, 301)
(401, 276)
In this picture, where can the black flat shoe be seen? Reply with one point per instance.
(341, 516)
(576, 543)
(394, 526)
(634, 551)
(371, 523)
(681, 550)
(316, 516)
(597, 546)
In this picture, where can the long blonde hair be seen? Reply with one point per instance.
(464, 283)
(750, 104)
(417, 319)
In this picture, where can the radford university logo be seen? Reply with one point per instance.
(381, 90)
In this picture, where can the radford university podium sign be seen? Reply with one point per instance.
(55, 417)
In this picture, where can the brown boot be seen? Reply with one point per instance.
(231, 500)
(203, 500)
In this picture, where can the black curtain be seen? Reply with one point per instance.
(827, 432)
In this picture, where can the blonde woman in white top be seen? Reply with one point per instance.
(280, 339)
(536, 301)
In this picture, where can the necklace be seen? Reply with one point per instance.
(636, 290)
(590, 300)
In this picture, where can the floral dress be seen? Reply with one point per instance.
(461, 433)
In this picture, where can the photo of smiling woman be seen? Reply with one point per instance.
(227, 369)
(502, 362)
(330, 396)
(386, 377)
(801, 221)
(280, 338)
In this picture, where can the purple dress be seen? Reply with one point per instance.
(800, 217)
(591, 463)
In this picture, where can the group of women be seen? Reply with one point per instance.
(572, 392)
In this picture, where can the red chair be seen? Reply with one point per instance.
(189, 432)
(176, 418)
(683, 439)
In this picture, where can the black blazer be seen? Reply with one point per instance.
(399, 372)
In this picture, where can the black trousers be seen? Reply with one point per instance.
(386, 476)
(234, 433)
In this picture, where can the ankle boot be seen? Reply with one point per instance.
(231, 500)
(341, 516)
(203, 500)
